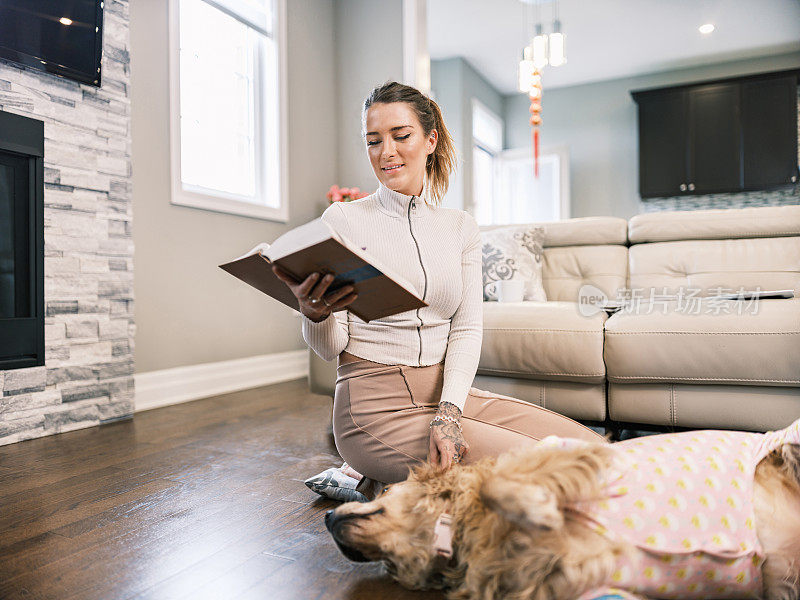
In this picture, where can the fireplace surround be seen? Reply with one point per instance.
(86, 374)
(21, 241)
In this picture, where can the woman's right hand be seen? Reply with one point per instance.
(314, 289)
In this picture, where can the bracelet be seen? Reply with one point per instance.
(445, 419)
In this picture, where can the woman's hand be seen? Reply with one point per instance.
(447, 445)
(312, 300)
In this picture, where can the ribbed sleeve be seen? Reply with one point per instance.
(330, 336)
(466, 327)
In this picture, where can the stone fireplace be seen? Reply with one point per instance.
(21, 242)
(86, 375)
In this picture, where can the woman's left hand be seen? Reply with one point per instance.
(447, 445)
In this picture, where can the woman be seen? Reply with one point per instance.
(403, 387)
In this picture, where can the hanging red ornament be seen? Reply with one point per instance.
(535, 95)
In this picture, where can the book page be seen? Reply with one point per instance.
(302, 236)
(377, 264)
(317, 231)
(261, 248)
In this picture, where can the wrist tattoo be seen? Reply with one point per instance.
(449, 409)
(447, 430)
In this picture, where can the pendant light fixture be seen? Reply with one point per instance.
(526, 69)
(539, 46)
(557, 55)
(541, 51)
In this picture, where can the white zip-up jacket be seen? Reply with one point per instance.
(438, 251)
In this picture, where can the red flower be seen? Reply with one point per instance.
(334, 189)
(337, 194)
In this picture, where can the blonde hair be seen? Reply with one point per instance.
(441, 162)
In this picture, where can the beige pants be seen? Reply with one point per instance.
(381, 417)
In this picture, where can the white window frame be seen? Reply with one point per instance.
(477, 105)
(525, 154)
(219, 201)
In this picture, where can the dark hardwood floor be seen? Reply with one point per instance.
(198, 500)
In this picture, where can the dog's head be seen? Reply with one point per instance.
(398, 528)
(509, 534)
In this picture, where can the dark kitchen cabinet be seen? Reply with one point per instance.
(724, 136)
(715, 147)
(662, 144)
(769, 132)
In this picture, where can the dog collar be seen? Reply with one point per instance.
(443, 536)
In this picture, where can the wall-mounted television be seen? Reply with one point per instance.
(64, 37)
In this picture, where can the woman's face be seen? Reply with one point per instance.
(397, 146)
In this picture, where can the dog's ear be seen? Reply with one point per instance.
(437, 483)
(528, 505)
(422, 472)
(790, 453)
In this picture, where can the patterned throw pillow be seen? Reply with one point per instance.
(514, 252)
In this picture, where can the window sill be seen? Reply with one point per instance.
(230, 206)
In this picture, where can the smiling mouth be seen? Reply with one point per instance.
(392, 169)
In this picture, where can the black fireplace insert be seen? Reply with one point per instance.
(21, 241)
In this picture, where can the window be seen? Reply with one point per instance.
(228, 106)
(487, 143)
(521, 197)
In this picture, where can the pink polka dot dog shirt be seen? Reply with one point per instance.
(685, 501)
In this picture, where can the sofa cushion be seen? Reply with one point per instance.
(542, 340)
(706, 265)
(582, 231)
(584, 401)
(706, 341)
(701, 405)
(765, 221)
(567, 269)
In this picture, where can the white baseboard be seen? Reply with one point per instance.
(182, 384)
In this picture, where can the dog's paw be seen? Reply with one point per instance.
(525, 504)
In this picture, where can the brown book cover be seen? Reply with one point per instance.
(316, 247)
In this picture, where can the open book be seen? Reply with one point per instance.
(315, 246)
(756, 295)
(612, 306)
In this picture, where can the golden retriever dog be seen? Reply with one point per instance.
(516, 526)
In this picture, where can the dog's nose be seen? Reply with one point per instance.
(328, 519)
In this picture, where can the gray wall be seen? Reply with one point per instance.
(454, 83)
(446, 89)
(598, 123)
(189, 311)
(369, 43)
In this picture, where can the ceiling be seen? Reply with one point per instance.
(609, 39)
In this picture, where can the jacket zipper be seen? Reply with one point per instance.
(425, 275)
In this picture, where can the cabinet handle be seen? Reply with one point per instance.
(683, 187)
(691, 187)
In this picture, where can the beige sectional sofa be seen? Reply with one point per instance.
(676, 356)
